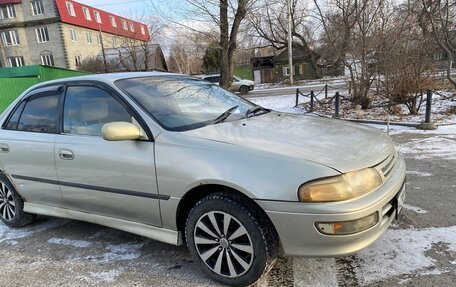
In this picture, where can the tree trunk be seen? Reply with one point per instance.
(225, 80)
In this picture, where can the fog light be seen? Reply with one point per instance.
(347, 227)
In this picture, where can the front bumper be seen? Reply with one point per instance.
(295, 222)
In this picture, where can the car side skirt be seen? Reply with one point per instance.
(152, 232)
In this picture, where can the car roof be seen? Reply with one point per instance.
(110, 77)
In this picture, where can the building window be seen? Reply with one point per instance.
(37, 7)
(89, 37)
(15, 61)
(86, 12)
(74, 35)
(286, 71)
(124, 25)
(143, 30)
(7, 12)
(42, 34)
(114, 41)
(10, 38)
(98, 39)
(113, 21)
(70, 9)
(47, 59)
(77, 60)
(132, 27)
(97, 16)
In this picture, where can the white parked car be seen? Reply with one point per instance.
(240, 85)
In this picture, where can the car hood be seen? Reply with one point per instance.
(340, 145)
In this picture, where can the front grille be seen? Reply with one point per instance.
(386, 166)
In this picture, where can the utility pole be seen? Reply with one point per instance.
(103, 50)
(290, 42)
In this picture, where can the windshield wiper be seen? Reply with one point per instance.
(223, 116)
(256, 109)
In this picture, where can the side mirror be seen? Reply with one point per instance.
(120, 131)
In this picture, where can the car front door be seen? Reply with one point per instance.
(110, 178)
(27, 143)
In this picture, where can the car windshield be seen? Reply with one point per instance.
(184, 103)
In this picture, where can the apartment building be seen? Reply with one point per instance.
(61, 33)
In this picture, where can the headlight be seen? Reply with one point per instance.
(342, 187)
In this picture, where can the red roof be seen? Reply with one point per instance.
(135, 30)
(2, 2)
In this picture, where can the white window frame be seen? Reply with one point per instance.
(113, 21)
(132, 26)
(42, 35)
(78, 60)
(37, 7)
(13, 36)
(114, 41)
(124, 24)
(74, 35)
(143, 30)
(18, 61)
(47, 59)
(98, 39)
(286, 71)
(70, 9)
(89, 38)
(97, 16)
(86, 13)
(10, 11)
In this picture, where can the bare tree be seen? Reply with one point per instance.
(440, 15)
(269, 22)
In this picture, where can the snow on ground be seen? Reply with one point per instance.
(404, 252)
(118, 252)
(68, 242)
(304, 83)
(101, 277)
(415, 209)
(419, 173)
(10, 235)
(436, 146)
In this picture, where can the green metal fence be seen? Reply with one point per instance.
(14, 81)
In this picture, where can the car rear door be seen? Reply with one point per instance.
(27, 146)
(110, 178)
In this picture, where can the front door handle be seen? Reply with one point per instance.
(66, 154)
(4, 148)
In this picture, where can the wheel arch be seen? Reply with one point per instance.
(197, 193)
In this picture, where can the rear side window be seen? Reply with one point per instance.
(14, 119)
(40, 114)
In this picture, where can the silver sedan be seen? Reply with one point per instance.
(180, 160)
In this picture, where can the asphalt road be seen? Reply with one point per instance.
(418, 250)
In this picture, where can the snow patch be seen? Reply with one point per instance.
(437, 146)
(119, 252)
(68, 242)
(400, 252)
(10, 235)
(415, 209)
(419, 173)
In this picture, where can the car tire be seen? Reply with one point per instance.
(238, 253)
(12, 206)
(243, 90)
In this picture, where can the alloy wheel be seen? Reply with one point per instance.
(7, 204)
(223, 244)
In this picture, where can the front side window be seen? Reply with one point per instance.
(14, 118)
(87, 109)
(42, 35)
(40, 114)
(10, 38)
(17, 61)
(37, 7)
(7, 12)
(182, 103)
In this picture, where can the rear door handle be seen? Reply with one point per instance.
(66, 154)
(4, 148)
